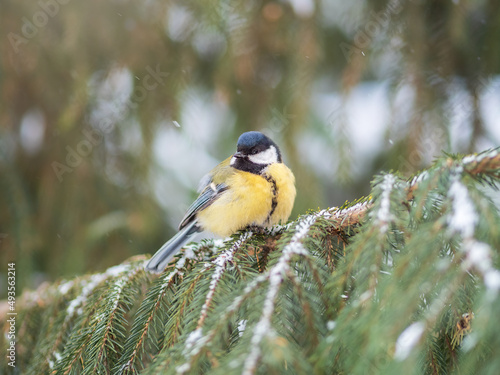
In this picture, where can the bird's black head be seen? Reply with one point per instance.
(255, 151)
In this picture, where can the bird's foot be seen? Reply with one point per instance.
(256, 229)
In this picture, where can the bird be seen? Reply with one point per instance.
(251, 189)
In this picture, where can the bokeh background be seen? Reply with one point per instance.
(111, 111)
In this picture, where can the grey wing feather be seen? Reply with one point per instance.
(204, 182)
(210, 193)
(162, 257)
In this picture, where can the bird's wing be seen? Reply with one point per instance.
(162, 257)
(211, 187)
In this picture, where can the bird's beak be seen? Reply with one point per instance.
(238, 155)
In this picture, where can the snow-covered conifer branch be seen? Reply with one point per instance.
(463, 220)
(276, 275)
(415, 250)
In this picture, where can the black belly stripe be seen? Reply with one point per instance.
(274, 199)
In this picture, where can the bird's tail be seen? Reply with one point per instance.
(162, 257)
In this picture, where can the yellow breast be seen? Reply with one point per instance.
(249, 201)
(285, 183)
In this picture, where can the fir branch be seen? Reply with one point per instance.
(136, 341)
(382, 216)
(70, 359)
(305, 308)
(52, 339)
(463, 220)
(344, 218)
(85, 306)
(220, 264)
(487, 162)
(152, 310)
(109, 322)
(332, 292)
(195, 339)
(315, 273)
(462, 327)
(38, 319)
(263, 327)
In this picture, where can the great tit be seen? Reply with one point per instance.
(252, 188)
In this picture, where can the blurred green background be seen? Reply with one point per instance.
(111, 111)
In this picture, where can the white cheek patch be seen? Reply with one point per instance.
(233, 160)
(268, 156)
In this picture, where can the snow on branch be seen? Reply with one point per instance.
(220, 265)
(101, 328)
(275, 275)
(463, 220)
(196, 340)
(485, 162)
(75, 306)
(383, 215)
(90, 330)
(407, 340)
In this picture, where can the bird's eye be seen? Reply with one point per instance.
(254, 151)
